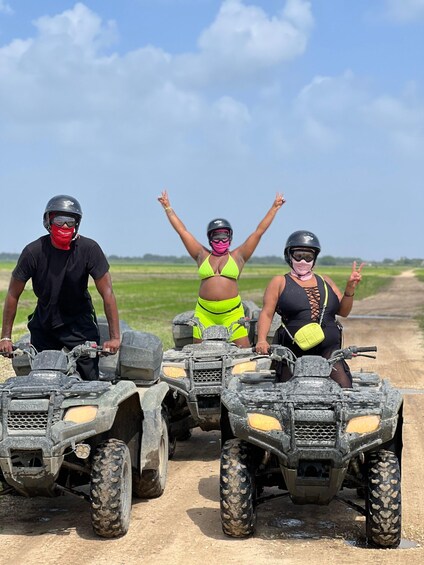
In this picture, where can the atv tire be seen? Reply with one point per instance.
(383, 500)
(185, 436)
(237, 490)
(172, 441)
(152, 482)
(110, 489)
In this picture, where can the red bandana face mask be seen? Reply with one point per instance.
(62, 237)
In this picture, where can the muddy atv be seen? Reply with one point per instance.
(197, 373)
(104, 440)
(311, 439)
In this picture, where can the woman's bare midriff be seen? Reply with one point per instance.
(218, 288)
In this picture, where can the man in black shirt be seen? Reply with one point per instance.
(59, 265)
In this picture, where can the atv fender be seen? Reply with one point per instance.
(151, 404)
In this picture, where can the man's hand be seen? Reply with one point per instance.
(112, 345)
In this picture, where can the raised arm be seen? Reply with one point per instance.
(246, 249)
(194, 248)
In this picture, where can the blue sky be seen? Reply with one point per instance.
(224, 103)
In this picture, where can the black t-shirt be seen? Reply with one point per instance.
(60, 278)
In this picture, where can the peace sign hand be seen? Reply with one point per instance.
(164, 199)
(279, 201)
(354, 279)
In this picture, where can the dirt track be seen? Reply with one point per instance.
(183, 526)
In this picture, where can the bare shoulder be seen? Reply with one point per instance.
(328, 280)
(331, 283)
(237, 255)
(277, 283)
(203, 253)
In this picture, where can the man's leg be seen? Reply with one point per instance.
(85, 329)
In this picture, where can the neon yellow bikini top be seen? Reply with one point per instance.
(230, 269)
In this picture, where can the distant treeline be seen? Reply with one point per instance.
(327, 260)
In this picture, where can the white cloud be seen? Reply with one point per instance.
(402, 119)
(78, 27)
(245, 39)
(340, 116)
(231, 111)
(61, 79)
(325, 107)
(75, 114)
(60, 84)
(5, 8)
(405, 10)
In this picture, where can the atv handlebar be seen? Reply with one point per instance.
(282, 353)
(244, 322)
(87, 349)
(352, 351)
(362, 349)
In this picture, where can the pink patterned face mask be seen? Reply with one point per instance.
(302, 269)
(220, 247)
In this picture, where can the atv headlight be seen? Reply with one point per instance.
(263, 422)
(80, 414)
(174, 372)
(363, 424)
(243, 367)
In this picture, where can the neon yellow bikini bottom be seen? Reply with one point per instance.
(220, 313)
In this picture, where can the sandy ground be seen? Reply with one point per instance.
(183, 526)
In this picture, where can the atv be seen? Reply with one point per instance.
(61, 434)
(311, 438)
(197, 373)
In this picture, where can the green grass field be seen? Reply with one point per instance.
(149, 296)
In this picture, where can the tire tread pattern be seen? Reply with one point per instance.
(383, 520)
(109, 515)
(237, 491)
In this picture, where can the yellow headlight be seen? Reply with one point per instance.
(174, 372)
(80, 414)
(363, 424)
(243, 367)
(263, 422)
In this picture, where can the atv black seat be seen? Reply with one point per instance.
(255, 377)
(219, 333)
(366, 379)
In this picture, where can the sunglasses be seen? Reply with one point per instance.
(60, 221)
(299, 255)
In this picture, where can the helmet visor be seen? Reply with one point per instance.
(220, 235)
(60, 221)
(303, 255)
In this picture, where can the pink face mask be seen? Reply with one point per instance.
(302, 269)
(61, 237)
(219, 247)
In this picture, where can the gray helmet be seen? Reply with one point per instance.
(65, 204)
(219, 224)
(301, 238)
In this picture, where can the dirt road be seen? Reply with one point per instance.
(183, 526)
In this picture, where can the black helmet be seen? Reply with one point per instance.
(301, 238)
(62, 203)
(219, 224)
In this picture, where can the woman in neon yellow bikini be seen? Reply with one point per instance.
(219, 302)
